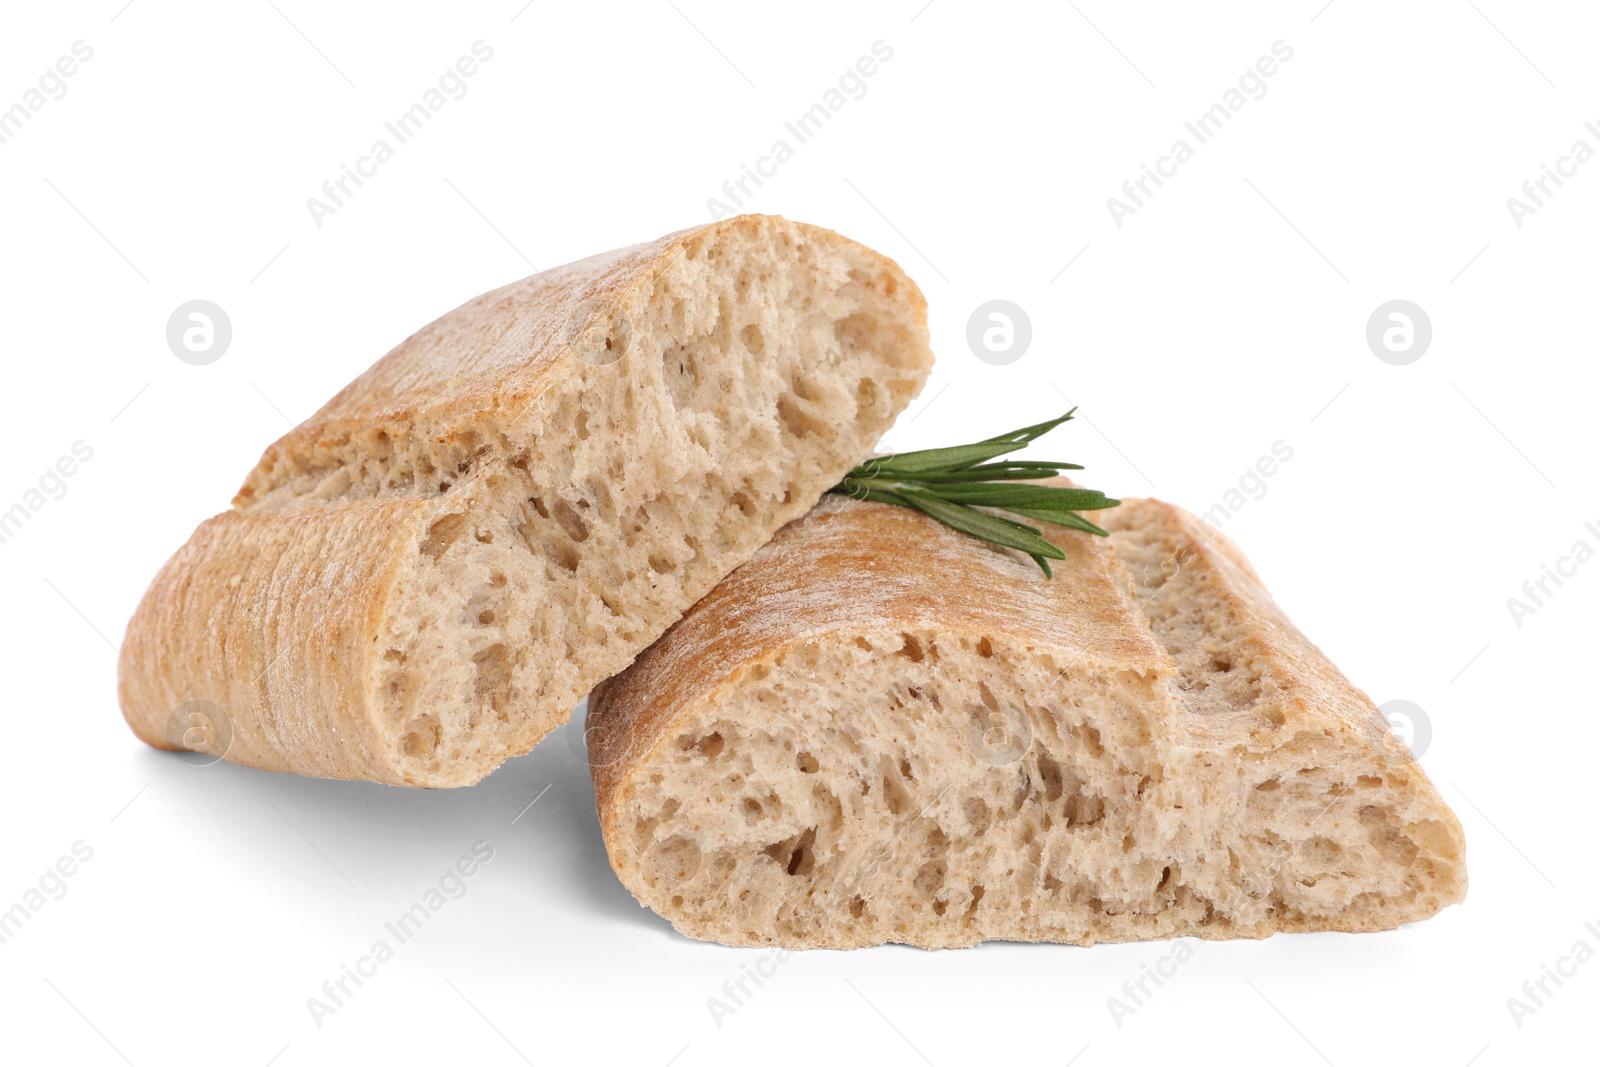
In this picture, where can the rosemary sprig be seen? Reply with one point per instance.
(952, 484)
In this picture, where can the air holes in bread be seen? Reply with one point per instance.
(855, 332)
(421, 737)
(751, 335)
(442, 534)
(677, 859)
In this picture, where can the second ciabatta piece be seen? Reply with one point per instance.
(880, 729)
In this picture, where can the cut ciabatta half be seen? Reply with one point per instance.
(422, 579)
(881, 730)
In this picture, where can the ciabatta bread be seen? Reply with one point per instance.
(881, 730)
(423, 579)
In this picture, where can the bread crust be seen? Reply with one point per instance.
(276, 612)
(299, 600)
(479, 365)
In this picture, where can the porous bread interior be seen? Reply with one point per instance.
(875, 788)
(570, 534)
(870, 787)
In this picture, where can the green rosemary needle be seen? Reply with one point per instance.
(952, 484)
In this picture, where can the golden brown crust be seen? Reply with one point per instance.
(486, 357)
(269, 619)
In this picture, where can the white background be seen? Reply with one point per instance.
(1226, 315)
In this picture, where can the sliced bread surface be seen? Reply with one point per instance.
(422, 579)
(880, 730)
